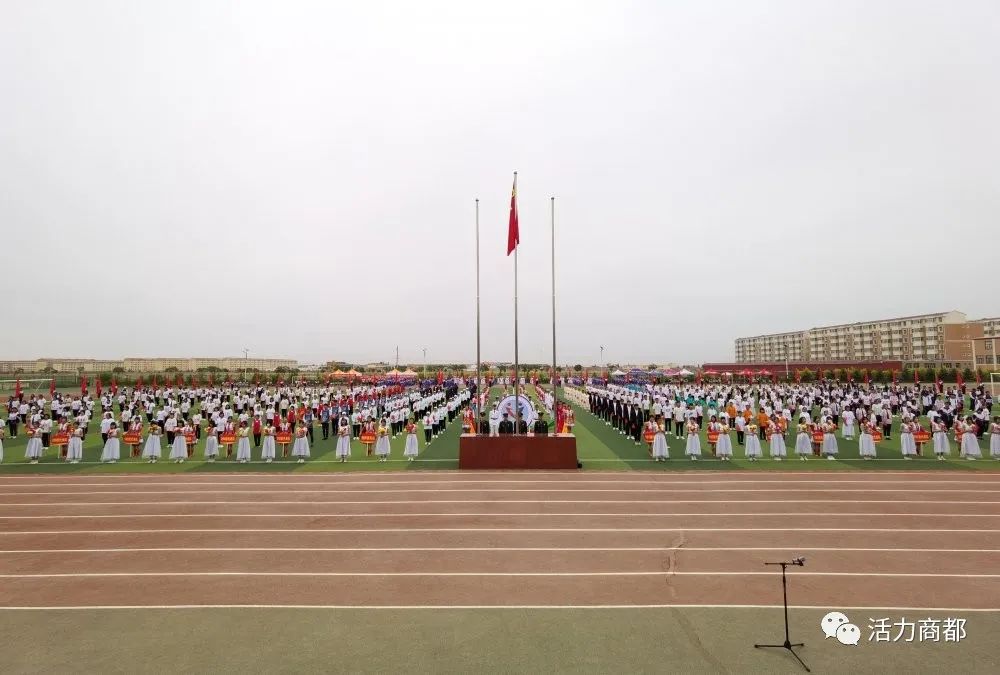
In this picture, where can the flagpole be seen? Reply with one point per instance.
(555, 391)
(517, 377)
(479, 382)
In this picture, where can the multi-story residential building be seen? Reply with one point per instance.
(925, 338)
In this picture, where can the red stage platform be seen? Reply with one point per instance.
(517, 452)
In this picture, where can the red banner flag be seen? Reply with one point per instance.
(440, 377)
(958, 379)
(83, 386)
(916, 377)
(979, 379)
(866, 378)
(798, 376)
(894, 377)
(114, 387)
(17, 388)
(154, 382)
(52, 387)
(513, 234)
(97, 381)
(138, 382)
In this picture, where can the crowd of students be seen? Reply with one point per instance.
(818, 413)
(172, 421)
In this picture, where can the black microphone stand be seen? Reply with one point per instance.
(787, 644)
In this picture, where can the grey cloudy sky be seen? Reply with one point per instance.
(192, 178)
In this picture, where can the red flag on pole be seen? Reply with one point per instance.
(138, 382)
(894, 377)
(97, 381)
(979, 379)
(52, 387)
(916, 377)
(798, 376)
(114, 387)
(17, 388)
(958, 379)
(154, 382)
(83, 386)
(866, 378)
(513, 234)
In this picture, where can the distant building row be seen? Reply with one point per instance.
(946, 337)
(141, 365)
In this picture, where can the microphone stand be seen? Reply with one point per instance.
(787, 644)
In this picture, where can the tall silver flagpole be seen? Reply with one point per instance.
(517, 368)
(555, 391)
(479, 382)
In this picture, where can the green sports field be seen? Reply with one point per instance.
(598, 446)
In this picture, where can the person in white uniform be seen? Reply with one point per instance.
(970, 446)
(866, 444)
(112, 448)
(178, 449)
(211, 443)
(300, 448)
(243, 444)
(693, 446)
(74, 449)
(34, 449)
(412, 447)
(941, 445)
(752, 442)
(382, 441)
(661, 452)
(343, 438)
(267, 447)
(152, 450)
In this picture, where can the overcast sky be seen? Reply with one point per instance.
(192, 178)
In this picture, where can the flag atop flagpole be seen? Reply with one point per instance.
(513, 233)
(513, 239)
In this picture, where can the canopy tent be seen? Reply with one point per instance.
(408, 373)
(710, 373)
(684, 372)
(617, 373)
(746, 372)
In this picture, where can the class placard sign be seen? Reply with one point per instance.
(132, 438)
(60, 439)
(227, 439)
(283, 437)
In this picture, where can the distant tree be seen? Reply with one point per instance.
(118, 369)
(577, 368)
(968, 375)
(883, 376)
(170, 369)
(858, 375)
(839, 374)
(47, 370)
(927, 375)
(907, 374)
(807, 375)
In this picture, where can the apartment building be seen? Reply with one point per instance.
(925, 338)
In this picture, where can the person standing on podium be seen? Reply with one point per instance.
(541, 427)
(506, 426)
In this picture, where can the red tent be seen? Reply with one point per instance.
(710, 373)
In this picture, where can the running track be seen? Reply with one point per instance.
(445, 539)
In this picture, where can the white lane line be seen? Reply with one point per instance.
(100, 575)
(314, 502)
(503, 490)
(492, 549)
(408, 530)
(440, 473)
(773, 514)
(824, 608)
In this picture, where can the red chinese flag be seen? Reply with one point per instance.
(513, 235)
(154, 381)
(17, 388)
(798, 376)
(916, 377)
(83, 386)
(866, 378)
(98, 387)
(52, 387)
(958, 379)
(138, 382)
(114, 387)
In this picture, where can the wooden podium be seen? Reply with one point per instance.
(517, 452)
